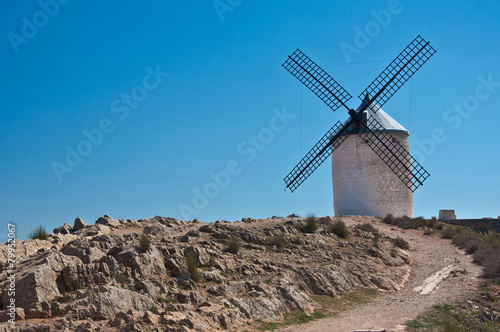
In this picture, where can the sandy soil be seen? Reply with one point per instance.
(441, 273)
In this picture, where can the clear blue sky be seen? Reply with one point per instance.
(172, 93)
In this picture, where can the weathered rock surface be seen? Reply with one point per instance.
(97, 277)
(79, 224)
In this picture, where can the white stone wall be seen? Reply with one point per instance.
(364, 185)
(447, 215)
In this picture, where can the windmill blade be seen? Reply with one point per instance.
(316, 156)
(399, 71)
(394, 154)
(317, 80)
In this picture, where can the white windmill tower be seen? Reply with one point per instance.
(373, 172)
(362, 182)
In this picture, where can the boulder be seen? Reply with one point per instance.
(200, 254)
(156, 229)
(79, 224)
(105, 302)
(64, 229)
(81, 249)
(85, 275)
(296, 300)
(262, 308)
(232, 288)
(39, 279)
(324, 280)
(108, 221)
(213, 276)
(16, 314)
(146, 264)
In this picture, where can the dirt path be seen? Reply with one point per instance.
(441, 273)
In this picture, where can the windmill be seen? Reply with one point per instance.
(373, 172)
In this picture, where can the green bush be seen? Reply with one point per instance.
(145, 242)
(311, 224)
(279, 241)
(153, 309)
(233, 245)
(38, 233)
(339, 228)
(192, 266)
(293, 215)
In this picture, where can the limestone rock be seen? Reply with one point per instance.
(143, 263)
(199, 253)
(325, 280)
(232, 288)
(98, 278)
(104, 302)
(39, 279)
(79, 224)
(108, 221)
(213, 276)
(262, 308)
(297, 300)
(157, 229)
(81, 249)
(64, 229)
(85, 275)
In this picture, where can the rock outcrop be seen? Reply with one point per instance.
(101, 276)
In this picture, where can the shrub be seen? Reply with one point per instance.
(461, 240)
(297, 240)
(293, 215)
(339, 228)
(279, 241)
(492, 237)
(448, 233)
(472, 246)
(153, 309)
(481, 227)
(405, 222)
(38, 233)
(429, 231)
(192, 266)
(311, 224)
(119, 277)
(388, 219)
(367, 228)
(145, 242)
(401, 243)
(233, 245)
(394, 253)
(488, 255)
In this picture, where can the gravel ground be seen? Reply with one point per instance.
(432, 257)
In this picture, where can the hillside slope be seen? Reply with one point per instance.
(217, 276)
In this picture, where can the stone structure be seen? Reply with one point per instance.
(362, 183)
(447, 215)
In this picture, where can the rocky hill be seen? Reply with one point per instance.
(162, 274)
